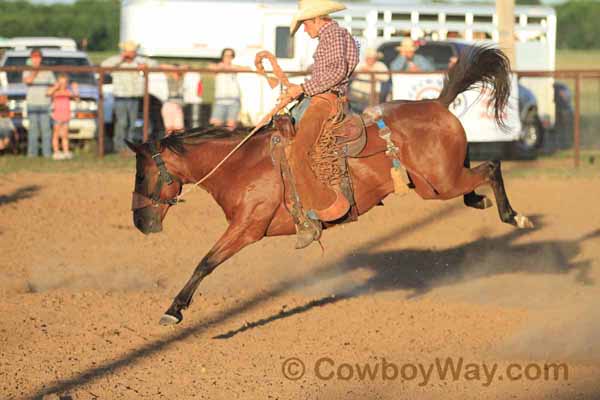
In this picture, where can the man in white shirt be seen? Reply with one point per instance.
(128, 89)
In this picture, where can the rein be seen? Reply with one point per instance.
(142, 201)
(283, 101)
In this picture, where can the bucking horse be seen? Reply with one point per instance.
(429, 140)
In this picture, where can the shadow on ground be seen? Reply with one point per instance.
(20, 194)
(417, 270)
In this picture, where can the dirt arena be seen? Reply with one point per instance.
(412, 285)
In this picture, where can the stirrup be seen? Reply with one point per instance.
(308, 230)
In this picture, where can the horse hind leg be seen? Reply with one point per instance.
(488, 172)
(506, 212)
(472, 199)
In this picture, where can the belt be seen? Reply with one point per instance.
(338, 92)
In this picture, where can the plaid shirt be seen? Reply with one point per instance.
(336, 58)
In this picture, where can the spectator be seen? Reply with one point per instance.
(7, 129)
(407, 60)
(61, 115)
(360, 90)
(172, 109)
(452, 61)
(128, 90)
(38, 106)
(226, 109)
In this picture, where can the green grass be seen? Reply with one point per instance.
(568, 154)
(557, 165)
(578, 59)
(590, 91)
(83, 161)
(560, 172)
(96, 57)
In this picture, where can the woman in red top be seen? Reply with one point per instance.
(61, 115)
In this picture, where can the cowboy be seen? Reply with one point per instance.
(324, 92)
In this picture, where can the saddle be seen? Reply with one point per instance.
(344, 137)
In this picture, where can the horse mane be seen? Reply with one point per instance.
(176, 141)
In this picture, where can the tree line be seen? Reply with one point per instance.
(97, 22)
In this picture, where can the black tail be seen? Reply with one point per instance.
(480, 67)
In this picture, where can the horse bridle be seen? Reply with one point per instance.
(141, 200)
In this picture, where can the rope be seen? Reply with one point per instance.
(284, 100)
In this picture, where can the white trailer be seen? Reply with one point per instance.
(202, 28)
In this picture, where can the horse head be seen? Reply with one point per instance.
(156, 189)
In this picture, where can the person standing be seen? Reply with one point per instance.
(172, 109)
(226, 110)
(7, 128)
(361, 87)
(38, 106)
(128, 90)
(61, 95)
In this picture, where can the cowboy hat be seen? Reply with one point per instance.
(308, 9)
(373, 53)
(407, 44)
(129, 45)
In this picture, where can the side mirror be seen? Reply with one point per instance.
(107, 79)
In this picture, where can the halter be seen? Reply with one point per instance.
(141, 200)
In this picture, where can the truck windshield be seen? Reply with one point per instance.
(79, 77)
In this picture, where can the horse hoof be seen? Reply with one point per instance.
(480, 204)
(167, 319)
(486, 203)
(523, 222)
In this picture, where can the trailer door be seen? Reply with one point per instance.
(258, 98)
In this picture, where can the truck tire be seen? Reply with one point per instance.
(532, 136)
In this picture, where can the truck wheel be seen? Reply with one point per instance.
(532, 136)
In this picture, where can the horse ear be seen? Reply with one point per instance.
(132, 146)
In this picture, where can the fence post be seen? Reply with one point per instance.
(374, 100)
(146, 103)
(576, 123)
(100, 115)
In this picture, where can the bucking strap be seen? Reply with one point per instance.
(374, 115)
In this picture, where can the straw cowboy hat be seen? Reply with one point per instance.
(308, 9)
(372, 53)
(407, 44)
(129, 45)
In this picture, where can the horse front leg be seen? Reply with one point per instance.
(241, 232)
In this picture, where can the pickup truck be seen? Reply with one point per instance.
(532, 129)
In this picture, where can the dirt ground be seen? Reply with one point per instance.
(411, 286)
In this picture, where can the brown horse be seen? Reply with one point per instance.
(432, 147)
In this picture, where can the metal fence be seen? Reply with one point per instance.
(577, 132)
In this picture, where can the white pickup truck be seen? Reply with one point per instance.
(84, 111)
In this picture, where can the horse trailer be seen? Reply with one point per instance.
(202, 28)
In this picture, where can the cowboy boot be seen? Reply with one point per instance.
(308, 231)
(336, 210)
